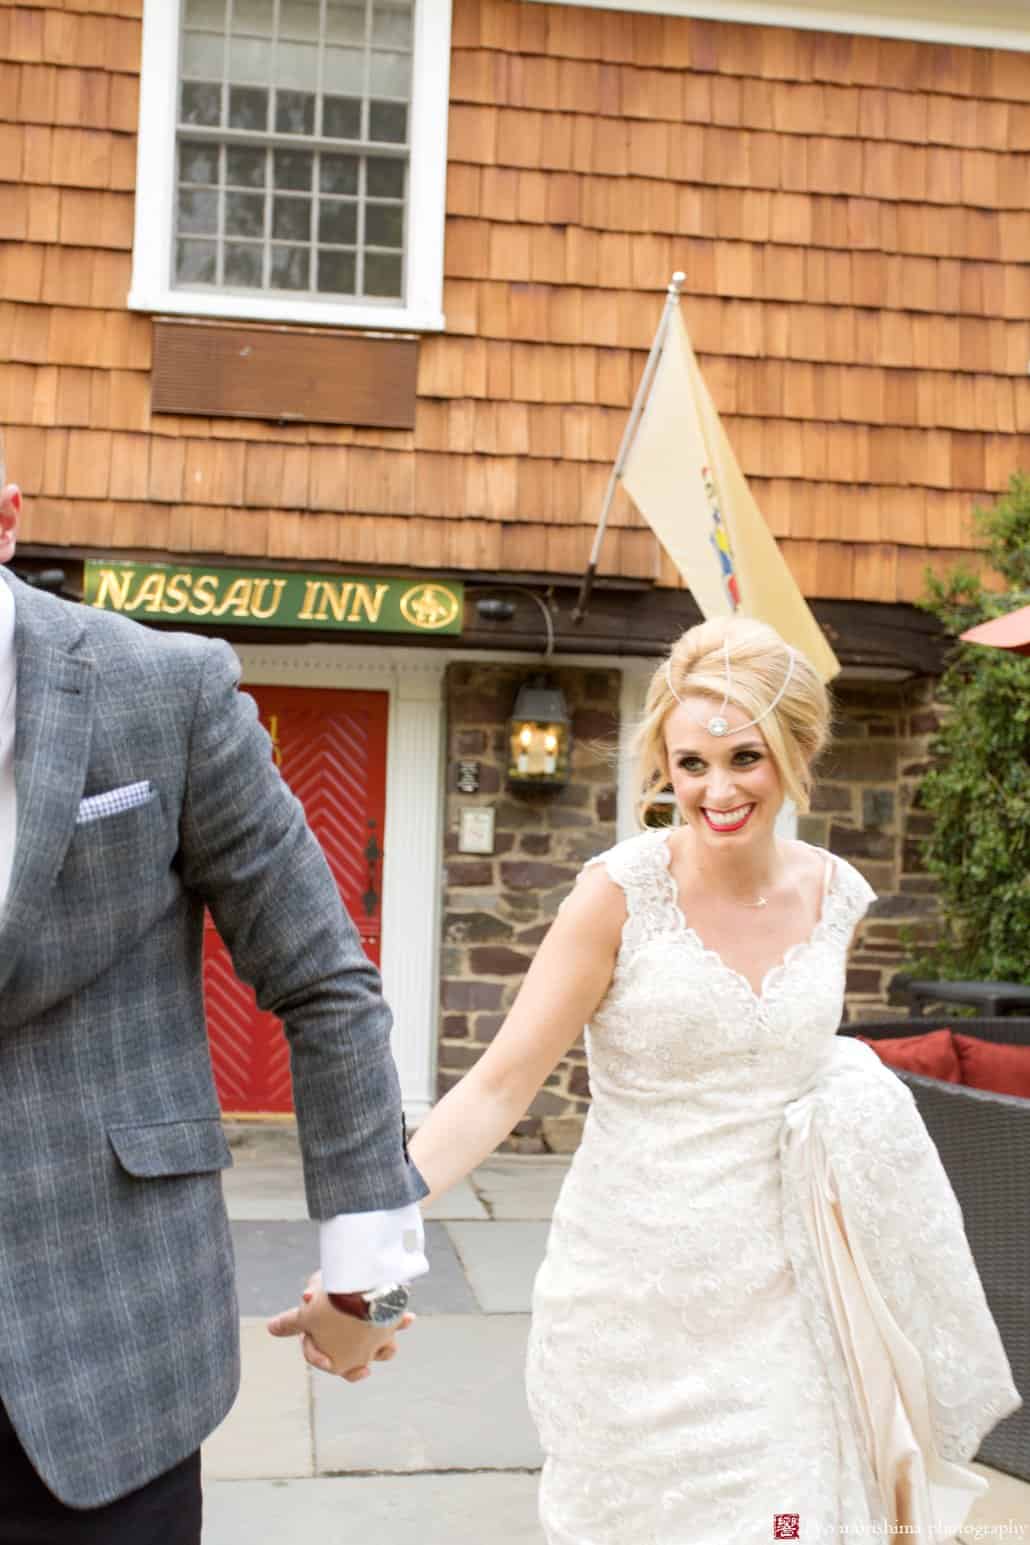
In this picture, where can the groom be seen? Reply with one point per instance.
(136, 789)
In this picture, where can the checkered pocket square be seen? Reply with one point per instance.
(115, 802)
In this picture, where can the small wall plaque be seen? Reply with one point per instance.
(468, 777)
(476, 829)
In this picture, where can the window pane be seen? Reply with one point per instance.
(345, 70)
(384, 177)
(336, 272)
(290, 268)
(345, 22)
(293, 169)
(391, 25)
(299, 19)
(244, 168)
(340, 70)
(248, 108)
(245, 214)
(382, 274)
(201, 103)
(391, 75)
(203, 55)
(294, 112)
(338, 174)
(296, 64)
(384, 225)
(388, 122)
(249, 62)
(205, 13)
(198, 163)
(338, 222)
(252, 16)
(341, 118)
(195, 262)
(243, 266)
(198, 211)
(291, 219)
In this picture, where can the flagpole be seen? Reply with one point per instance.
(671, 299)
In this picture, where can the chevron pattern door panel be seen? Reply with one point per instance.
(331, 749)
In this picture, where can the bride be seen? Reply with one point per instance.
(758, 1317)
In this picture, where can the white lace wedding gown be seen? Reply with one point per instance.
(758, 1316)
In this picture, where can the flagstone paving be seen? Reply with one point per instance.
(495, 1509)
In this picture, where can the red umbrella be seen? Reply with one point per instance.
(1009, 632)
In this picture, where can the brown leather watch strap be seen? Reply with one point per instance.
(354, 1304)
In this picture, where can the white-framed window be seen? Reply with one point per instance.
(292, 165)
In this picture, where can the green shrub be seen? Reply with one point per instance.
(979, 788)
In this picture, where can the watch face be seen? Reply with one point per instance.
(388, 1307)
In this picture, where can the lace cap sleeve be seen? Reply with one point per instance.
(631, 863)
(857, 893)
(598, 860)
(637, 867)
(628, 865)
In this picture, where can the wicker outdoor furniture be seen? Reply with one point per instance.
(984, 1143)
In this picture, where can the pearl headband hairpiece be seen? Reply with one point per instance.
(718, 725)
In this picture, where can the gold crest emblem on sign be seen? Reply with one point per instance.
(429, 606)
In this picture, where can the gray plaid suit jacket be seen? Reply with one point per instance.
(118, 1322)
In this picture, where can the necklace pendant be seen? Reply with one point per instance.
(761, 902)
(717, 725)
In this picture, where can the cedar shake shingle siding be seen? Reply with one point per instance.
(853, 215)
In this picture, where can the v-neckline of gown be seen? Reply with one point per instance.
(786, 959)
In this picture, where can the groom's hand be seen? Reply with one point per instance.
(333, 1341)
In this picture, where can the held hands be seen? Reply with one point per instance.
(333, 1341)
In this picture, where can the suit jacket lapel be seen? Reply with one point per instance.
(53, 727)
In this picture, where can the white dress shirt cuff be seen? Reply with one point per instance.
(362, 1250)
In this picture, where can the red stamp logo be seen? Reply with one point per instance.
(786, 1526)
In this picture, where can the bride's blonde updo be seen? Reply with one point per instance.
(795, 731)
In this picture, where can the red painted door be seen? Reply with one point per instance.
(331, 749)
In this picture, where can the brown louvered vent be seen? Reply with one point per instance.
(287, 373)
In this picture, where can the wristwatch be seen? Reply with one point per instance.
(382, 1307)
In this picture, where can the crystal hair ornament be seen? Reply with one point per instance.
(718, 725)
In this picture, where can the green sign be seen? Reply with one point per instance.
(350, 603)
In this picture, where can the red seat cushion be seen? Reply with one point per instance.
(987, 1065)
(932, 1054)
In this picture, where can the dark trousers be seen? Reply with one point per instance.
(164, 1512)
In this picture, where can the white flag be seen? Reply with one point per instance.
(684, 478)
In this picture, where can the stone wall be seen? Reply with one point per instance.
(497, 908)
(865, 807)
